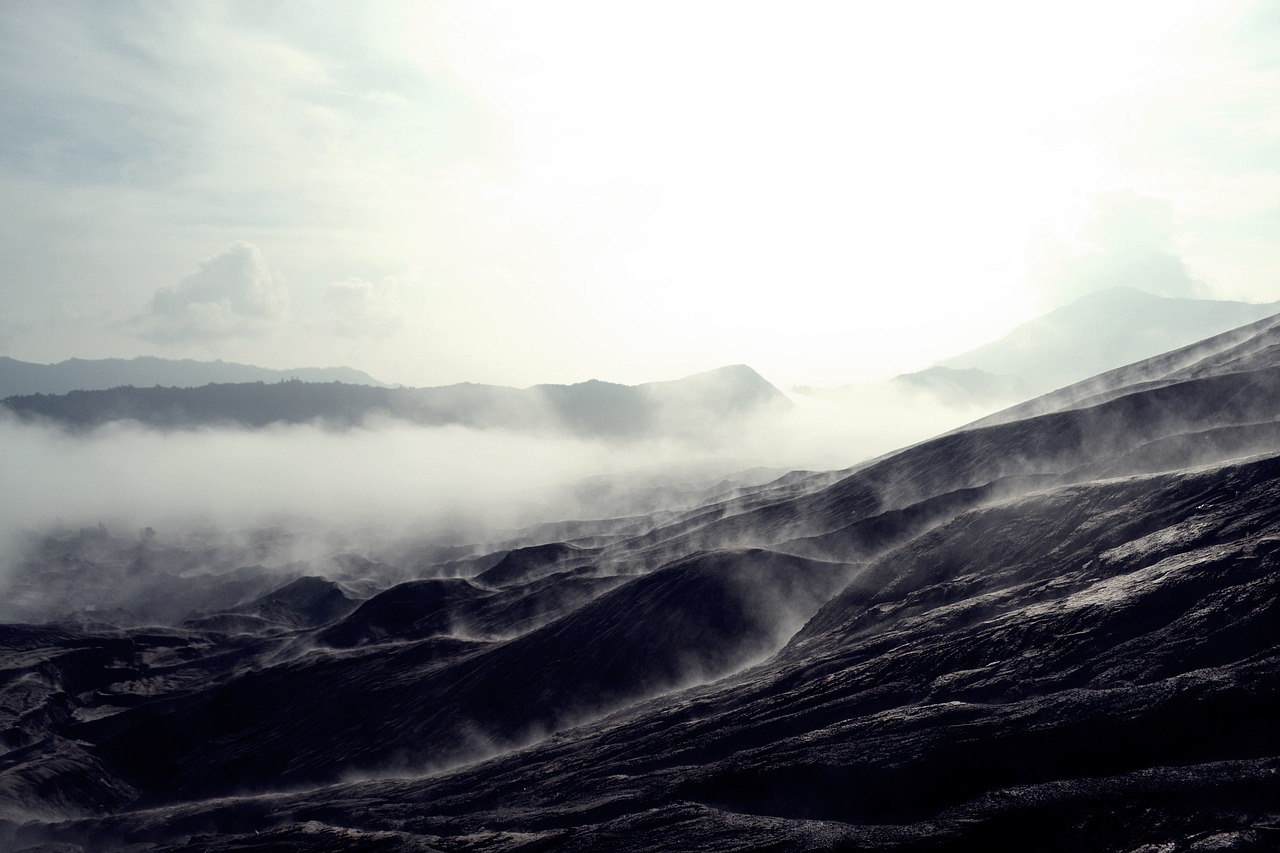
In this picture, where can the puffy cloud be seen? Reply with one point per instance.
(232, 294)
(1125, 240)
(365, 309)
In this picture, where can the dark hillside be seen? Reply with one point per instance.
(1049, 631)
(439, 701)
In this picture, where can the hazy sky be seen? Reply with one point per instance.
(552, 191)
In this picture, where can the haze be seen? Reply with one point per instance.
(519, 193)
(392, 479)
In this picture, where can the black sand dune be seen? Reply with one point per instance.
(439, 700)
(526, 564)
(1053, 630)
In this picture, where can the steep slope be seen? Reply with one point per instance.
(525, 564)
(1124, 433)
(1102, 331)
(1250, 347)
(1091, 667)
(1051, 632)
(309, 601)
(439, 700)
(1107, 423)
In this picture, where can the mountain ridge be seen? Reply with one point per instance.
(688, 406)
(1102, 331)
(19, 378)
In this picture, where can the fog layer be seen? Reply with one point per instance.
(453, 482)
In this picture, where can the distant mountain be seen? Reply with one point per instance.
(687, 406)
(968, 386)
(1220, 353)
(1101, 331)
(79, 374)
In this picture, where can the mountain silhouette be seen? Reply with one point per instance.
(1102, 331)
(589, 409)
(78, 374)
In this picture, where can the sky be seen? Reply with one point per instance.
(514, 192)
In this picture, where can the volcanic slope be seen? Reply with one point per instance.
(1053, 632)
(1098, 331)
(1212, 401)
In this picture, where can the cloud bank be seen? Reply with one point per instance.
(855, 206)
(231, 294)
(458, 483)
(1126, 239)
(360, 308)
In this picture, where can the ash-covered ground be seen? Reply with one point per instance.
(1057, 629)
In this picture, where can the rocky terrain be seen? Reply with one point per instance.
(1056, 629)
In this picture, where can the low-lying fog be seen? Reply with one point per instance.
(450, 482)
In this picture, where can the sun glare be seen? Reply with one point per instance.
(692, 161)
(828, 191)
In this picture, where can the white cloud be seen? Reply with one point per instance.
(781, 175)
(360, 308)
(1125, 240)
(232, 294)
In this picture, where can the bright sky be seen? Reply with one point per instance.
(519, 192)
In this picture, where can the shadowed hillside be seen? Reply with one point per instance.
(1053, 630)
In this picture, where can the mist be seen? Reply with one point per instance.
(387, 480)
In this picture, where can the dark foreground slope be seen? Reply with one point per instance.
(1093, 667)
(1059, 632)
